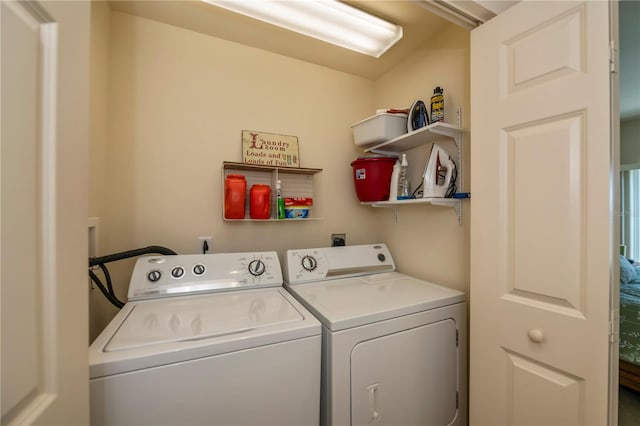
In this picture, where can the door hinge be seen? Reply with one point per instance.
(613, 56)
(457, 341)
(612, 327)
(457, 400)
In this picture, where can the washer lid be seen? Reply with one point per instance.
(352, 302)
(184, 319)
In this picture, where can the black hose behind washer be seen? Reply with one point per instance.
(93, 261)
(108, 291)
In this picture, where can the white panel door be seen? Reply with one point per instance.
(541, 227)
(35, 377)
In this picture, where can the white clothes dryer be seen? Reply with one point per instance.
(393, 346)
(207, 340)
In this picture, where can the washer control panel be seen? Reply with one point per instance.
(318, 264)
(163, 276)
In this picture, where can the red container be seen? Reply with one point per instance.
(260, 202)
(372, 176)
(235, 188)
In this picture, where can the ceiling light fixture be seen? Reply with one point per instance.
(326, 20)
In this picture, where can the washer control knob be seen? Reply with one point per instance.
(309, 263)
(154, 275)
(199, 270)
(257, 268)
(381, 257)
(177, 272)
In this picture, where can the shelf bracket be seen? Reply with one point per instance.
(448, 202)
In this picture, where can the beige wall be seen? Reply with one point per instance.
(100, 312)
(177, 102)
(427, 241)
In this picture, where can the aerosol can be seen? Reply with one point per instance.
(437, 105)
(440, 174)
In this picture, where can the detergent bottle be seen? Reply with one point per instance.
(235, 187)
(260, 201)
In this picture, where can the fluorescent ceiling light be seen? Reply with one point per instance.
(325, 20)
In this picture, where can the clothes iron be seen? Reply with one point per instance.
(439, 179)
(417, 117)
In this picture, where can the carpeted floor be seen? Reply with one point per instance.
(628, 407)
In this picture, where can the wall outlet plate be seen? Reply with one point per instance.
(203, 248)
(338, 240)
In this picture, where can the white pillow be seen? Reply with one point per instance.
(627, 271)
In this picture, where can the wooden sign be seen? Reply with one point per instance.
(269, 149)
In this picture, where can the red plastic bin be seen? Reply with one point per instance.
(372, 177)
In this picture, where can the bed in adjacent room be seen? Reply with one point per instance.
(629, 324)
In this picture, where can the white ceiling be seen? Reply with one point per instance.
(419, 26)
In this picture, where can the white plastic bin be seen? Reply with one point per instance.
(379, 128)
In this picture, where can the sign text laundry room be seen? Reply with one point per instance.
(269, 149)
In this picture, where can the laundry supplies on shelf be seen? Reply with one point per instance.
(404, 187)
(437, 105)
(379, 128)
(440, 174)
(372, 176)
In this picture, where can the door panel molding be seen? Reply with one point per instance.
(29, 211)
(542, 188)
(561, 39)
(525, 378)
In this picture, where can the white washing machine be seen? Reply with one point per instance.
(394, 347)
(207, 340)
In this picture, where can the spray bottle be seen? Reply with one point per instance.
(404, 190)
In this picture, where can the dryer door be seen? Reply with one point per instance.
(408, 378)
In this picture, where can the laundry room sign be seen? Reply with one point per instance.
(269, 149)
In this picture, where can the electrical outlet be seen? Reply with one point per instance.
(205, 245)
(338, 240)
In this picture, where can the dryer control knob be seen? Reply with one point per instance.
(309, 263)
(154, 276)
(257, 268)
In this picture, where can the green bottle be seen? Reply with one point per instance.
(280, 200)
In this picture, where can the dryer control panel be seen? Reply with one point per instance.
(162, 276)
(325, 263)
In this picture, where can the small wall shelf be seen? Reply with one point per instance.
(296, 182)
(455, 203)
(436, 132)
(425, 135)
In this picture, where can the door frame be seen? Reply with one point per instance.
(614, 209)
